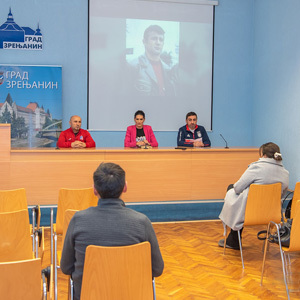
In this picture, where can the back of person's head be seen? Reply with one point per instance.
(139, 113)
(153, 28)
(270, 150)
(109, 180)
(189, 114)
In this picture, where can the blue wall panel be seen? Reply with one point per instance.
(256, 69)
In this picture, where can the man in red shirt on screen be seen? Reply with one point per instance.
(152, 75)
(75, 137)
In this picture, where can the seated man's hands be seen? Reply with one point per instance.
(198, 144)
(78, 144)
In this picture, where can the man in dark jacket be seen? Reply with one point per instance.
(110, 223)
(191, 134)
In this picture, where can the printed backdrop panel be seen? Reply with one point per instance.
(31, 101)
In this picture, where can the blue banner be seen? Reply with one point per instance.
(31, 101)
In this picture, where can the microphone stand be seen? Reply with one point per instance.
(226, 147)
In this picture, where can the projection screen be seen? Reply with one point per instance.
(154, 56)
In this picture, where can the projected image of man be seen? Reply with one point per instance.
(153, 76)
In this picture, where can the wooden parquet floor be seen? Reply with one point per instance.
(195, 267)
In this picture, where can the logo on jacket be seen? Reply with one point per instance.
(188, 135)
(199, 134)
(81, 137)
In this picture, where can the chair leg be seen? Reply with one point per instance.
(55, 267)
(281, 254)
(154, 292)
(33, 230)
(44, 286)
(283, 262)
(241, 250)
(266, 245)
(71, 287)
(51, 234)
(225, 238)
(36, 237)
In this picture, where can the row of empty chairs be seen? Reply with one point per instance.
(21, 249)
(263, 206)
(18, 258)
(15, 200)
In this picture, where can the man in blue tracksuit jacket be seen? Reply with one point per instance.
(191, 134)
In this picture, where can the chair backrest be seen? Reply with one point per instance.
(21, 280)
(12, 200)
(263, 204)
(15, 239)
(69, 213)
(295, 231)
(117, 273)
(296, 197)
(77, 199)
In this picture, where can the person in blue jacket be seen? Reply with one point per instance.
(191, 134)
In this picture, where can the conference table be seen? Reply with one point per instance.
(152, 175)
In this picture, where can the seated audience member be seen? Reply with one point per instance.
(191, 134)
(267, 170)
(139, 135)
(75, 137)
(110, 223)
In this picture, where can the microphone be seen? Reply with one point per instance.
(226, 147)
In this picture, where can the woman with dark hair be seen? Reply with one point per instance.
(140, 135)
(267, 170)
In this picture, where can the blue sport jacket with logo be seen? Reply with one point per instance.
(186, 137)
